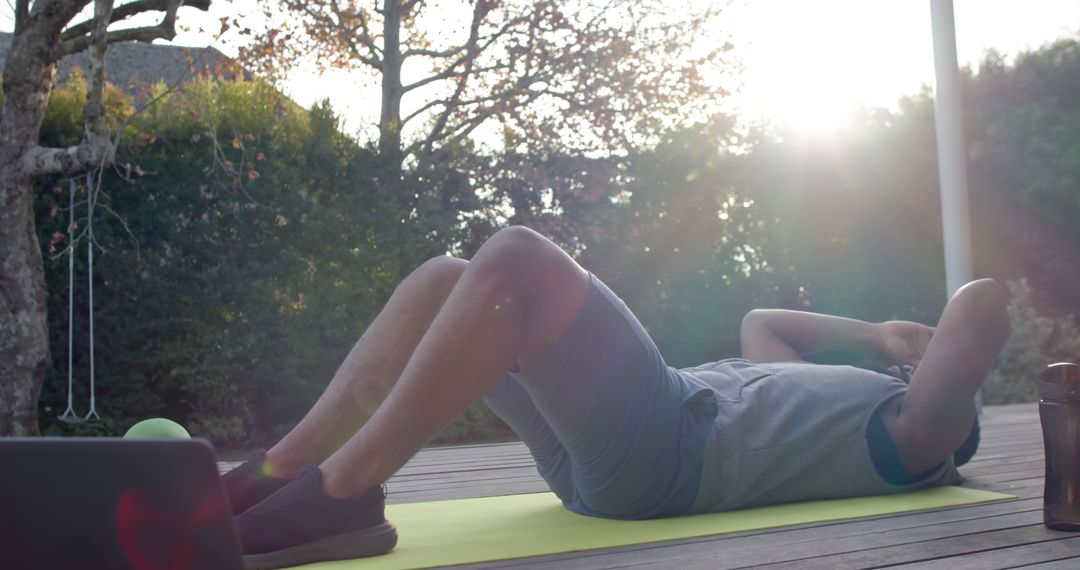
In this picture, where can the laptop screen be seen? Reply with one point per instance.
(110, 503)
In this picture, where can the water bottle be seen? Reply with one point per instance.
(1059, 411)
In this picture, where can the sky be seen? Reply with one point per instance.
(810, 63)
(806, 64)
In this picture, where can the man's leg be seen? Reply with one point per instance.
(931, 421)
(515, 406)
(517, 296)
(369, 371)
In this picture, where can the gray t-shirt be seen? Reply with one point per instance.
(794, 431)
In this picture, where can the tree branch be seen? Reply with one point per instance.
(373, 61)
(468, 51)
(454, 100)
(46, 19)
(128, 10)
(94, 112)
(165, 30)
(22, 12)
(425, 149)
(447, 73)
(568, 98)
(460, 103)
(426, 106)
(432, 53)
(456, 133)
(450, 74)
(95, 150)
(366, 38)
(40, 161)
(341, 28)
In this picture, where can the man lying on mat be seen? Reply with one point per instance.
(615, 432)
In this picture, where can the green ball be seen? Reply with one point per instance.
(157, 428)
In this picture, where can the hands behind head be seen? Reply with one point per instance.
(905, 342)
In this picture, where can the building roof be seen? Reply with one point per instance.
(133, 66)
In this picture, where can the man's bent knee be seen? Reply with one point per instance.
(547, 283)
(983, 303)
(443, 270)
(521, 257)
(937, 411)
(512, 245)
(986, 293)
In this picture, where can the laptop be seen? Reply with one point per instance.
(89, 503)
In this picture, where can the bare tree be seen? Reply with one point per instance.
(44, 34)
(592, 76)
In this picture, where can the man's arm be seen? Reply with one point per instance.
(777, 335)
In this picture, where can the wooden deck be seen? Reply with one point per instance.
(1000, 535)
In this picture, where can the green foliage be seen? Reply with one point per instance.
(712, 223)
(476, 423)
(1025, 166)
(696, 232)
(245, 243)
(243, 248)
(687, 224)
(1037, 340)
(63, 121)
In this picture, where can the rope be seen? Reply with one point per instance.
(90, 203)
(70, 411)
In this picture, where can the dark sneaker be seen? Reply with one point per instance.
(300, 524)
(248, 484)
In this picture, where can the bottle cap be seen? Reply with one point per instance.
(1060, 381)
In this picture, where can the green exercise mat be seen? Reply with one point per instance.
(463, 531)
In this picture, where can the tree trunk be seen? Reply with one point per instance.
(24, 340)
(390, 120)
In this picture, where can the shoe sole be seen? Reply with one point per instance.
(359, 544)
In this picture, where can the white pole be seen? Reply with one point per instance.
(952, 159)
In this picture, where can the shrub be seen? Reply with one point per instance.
(476, 424)
(1037, 340)
(242, 248)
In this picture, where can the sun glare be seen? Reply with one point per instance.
(809, 66)
(810, 101)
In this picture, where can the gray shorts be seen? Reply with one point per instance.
(613, 429)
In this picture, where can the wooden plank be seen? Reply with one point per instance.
(435, 469)
(1013, 476)
(1013, 557)
(469, 492)
(963, 545)
(448, 479)
(989, 461)
(1071, 563)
